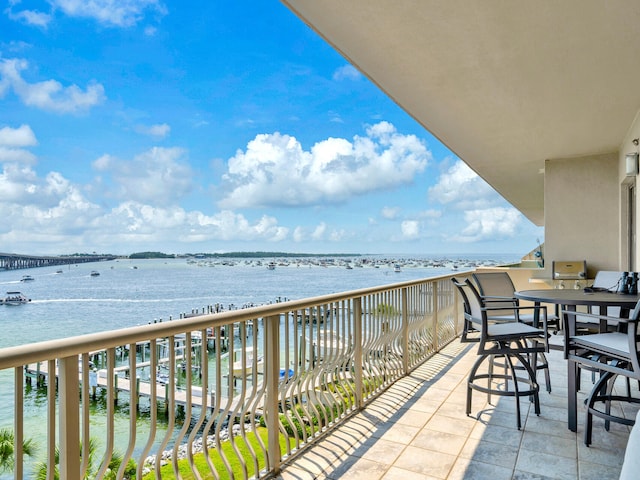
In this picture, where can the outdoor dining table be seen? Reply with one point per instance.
(569, 300)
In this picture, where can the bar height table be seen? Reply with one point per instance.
(569, 299)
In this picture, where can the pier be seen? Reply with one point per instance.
(12, 261)
(98, 379)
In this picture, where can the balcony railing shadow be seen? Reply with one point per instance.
(418, 429)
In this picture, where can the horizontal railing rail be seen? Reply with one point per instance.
(228, 394)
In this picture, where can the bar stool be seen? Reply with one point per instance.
(512, 342)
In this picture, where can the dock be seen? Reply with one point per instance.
(122, 384)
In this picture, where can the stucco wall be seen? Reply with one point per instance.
(582, 211)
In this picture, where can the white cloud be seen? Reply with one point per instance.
(29, 17)
(51, 210)
(463, 189)
(18, 155)
(335, 117)
(319, 232)
(11, 141)
(22, 136)
(158, 176)
(410, 229)
(346, 72)
(160, 130)
(486, 215)
(48, 95)
(491, 223)
(298, 234)
(116, 13)
(38, 204)
(390, 213)
(430, 214)
(338, 235)
(276, 171)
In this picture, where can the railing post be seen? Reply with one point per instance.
(405, 331)
(272, 375)
(18, 423)
(456, 321)
(68, 388)
(436, 306)
(357, 352)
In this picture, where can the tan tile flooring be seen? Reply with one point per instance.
(418, 430)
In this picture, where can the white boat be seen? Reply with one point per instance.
(271, 265)
(15, 298)
(240, 368)
(27, 278)
(95, 273)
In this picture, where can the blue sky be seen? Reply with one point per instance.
(213, 126)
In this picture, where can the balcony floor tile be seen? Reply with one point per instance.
(418, 429)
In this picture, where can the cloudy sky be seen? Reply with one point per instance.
(209, 126)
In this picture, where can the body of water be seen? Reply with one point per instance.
(134, 292)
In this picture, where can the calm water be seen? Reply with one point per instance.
(134, 292)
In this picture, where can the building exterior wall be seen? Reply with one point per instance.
(582, 212)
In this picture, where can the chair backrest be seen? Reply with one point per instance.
(471, 300)
(634, 332)
(635, 313)
(470, 326)
(610, 280)
(607, 279)
(494, 284)
(497, 285)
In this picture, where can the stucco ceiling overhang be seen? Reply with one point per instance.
(504, 85)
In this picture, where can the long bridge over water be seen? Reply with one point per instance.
(12, 261)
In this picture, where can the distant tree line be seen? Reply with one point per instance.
(151, 255)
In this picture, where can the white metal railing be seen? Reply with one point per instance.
(225, 394)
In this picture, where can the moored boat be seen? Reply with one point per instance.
(15, 298)
(95, 273)
(27, 278)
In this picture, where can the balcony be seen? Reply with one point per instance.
(367, 383)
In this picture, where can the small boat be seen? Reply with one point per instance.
(58, 271)
(240, 368)
(27, 278)
(396, 268)
(95, 273)
(271, 265)
(286, 374)
(15, 298)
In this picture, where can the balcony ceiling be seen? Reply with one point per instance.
(504, 85)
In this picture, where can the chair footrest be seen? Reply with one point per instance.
(607, 416)
(533, 387)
